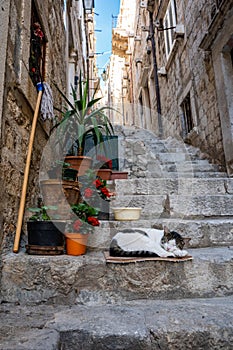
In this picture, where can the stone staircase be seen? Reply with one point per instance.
(66, 302)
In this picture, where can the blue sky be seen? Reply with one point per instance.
(105, 9)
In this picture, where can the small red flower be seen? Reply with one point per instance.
(77, 225)
(105, 191)
(88, 192)
(93, 221)
(38, 32)
(33, 70)
(97, 183)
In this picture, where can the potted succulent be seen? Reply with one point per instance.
(45, 230)
(80, 119)
(82, 223)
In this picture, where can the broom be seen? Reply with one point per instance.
(46, 113)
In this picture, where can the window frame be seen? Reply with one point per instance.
(169, 20)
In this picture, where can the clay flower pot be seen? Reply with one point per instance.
(119, 175)
(76, 243)
(80, 163)
(104, 174)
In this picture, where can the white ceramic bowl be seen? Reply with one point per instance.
(127, 213)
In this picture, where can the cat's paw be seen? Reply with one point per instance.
(167, 255)
(180, 253)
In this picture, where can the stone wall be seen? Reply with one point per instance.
(189, 69)
(19, 99)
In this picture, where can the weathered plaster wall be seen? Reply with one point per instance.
(19, 101)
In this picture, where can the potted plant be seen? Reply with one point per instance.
(62, 169)
(61, 188)
(80, 119)
(82, 223)
(96, 193)
(104, 167)
(45, 230)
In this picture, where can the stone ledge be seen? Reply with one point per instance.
(88, 279)
(140, 324)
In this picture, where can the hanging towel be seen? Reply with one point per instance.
(46, 107)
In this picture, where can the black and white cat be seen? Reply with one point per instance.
(147, 243)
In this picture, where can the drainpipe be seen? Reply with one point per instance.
(155, 70)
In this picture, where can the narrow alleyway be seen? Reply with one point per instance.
(89, 304)
(165, 69)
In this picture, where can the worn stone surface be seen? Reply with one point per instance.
(143, 155)
(141, 324)
(180, 205)
(19, 101)
(86, 279)
(189, 186)
(203, 233)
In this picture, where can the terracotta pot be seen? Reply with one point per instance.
(61, 194)
(80, 163)
(76, 243)
(119, 175)
(104, 174)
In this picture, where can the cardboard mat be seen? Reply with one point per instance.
(126, 260)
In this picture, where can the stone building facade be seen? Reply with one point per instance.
(182, 73)
(61, 29)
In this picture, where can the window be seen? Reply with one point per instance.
(37, 49)
(168, 22)
(187, 121)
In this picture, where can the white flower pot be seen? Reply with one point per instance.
(127, 213)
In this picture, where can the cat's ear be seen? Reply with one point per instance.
(166, 230)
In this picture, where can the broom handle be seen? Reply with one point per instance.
(26, 172)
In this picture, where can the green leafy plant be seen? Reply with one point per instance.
(40, 213)
(84, 219)
(80, 118)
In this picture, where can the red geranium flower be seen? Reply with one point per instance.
(97, 183)
(105, 191)
(77, 225)
(93, 221)
(88, 192)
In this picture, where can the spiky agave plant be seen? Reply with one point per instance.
(80, 118)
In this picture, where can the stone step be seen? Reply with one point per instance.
(189, 186)
(141, 324)
(188, 166)
(183, 206)
(210, 232)
(80, 279)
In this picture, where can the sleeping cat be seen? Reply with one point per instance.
(147, 243)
